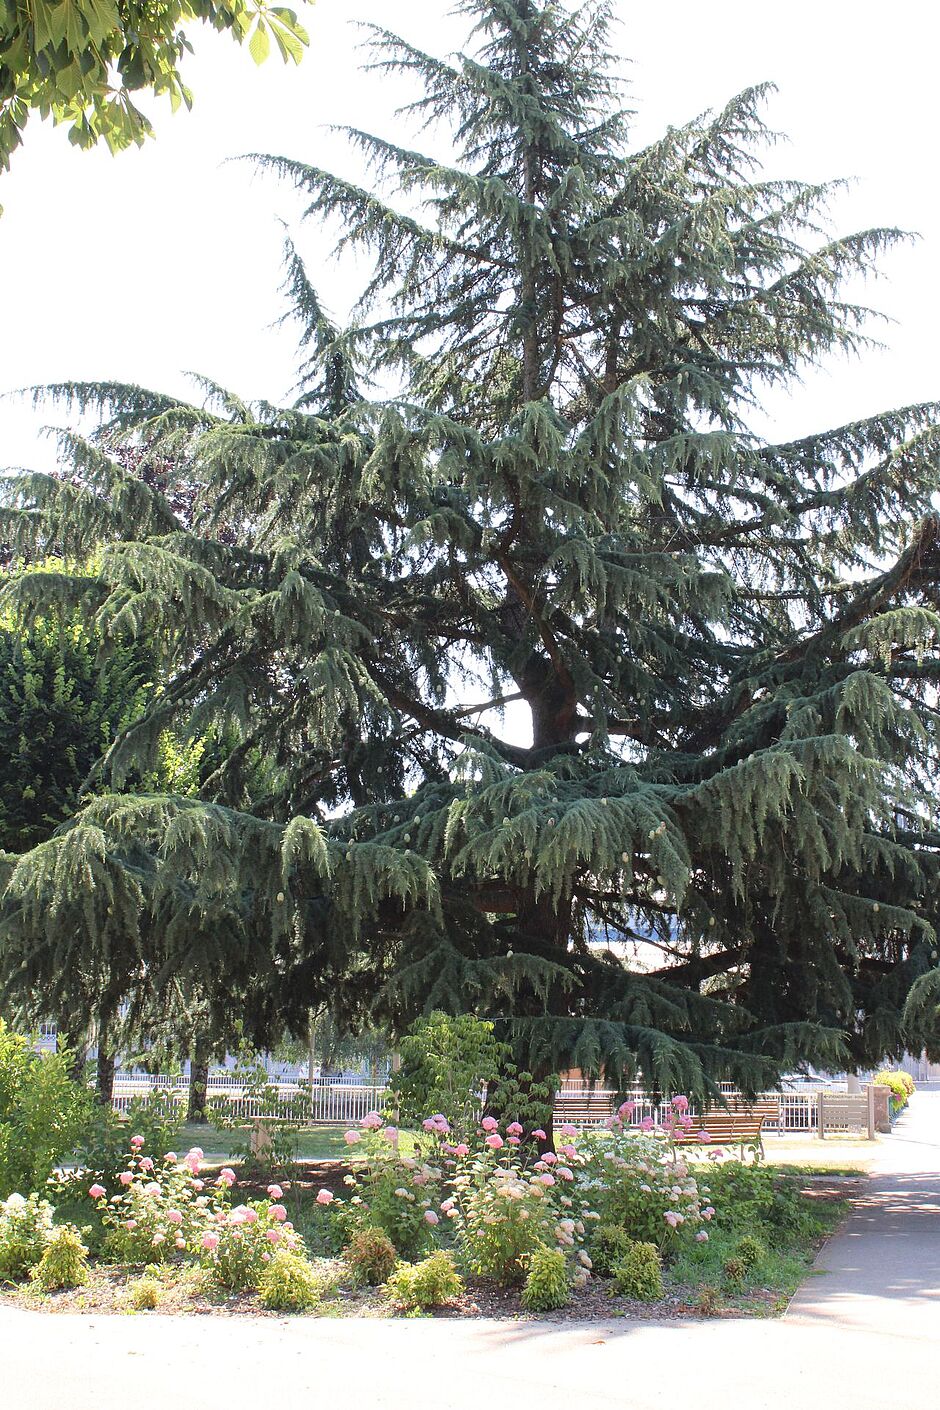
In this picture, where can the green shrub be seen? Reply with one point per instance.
(900, 1085)
(431, 1283)
(446, 1062)
(751, 1252)
(64, 1263)
(370, 1256)
(735, 1269)
(547, 1284)
(144, 1294)
(42, 1113)
(639, 1273)
(608, 1246)
(288, 1283)
(708, 1301)
(655, 1199)
(25, 1227)
(755, 1197)
(102, 1144)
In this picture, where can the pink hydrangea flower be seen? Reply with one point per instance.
(701, 1237)
(489, 1123)
(625, 1110)
(130, 1225)
(567, 1129)
(180, 1243)
(461, 1150)
(514, 1140)
(170, 1157)
(352, 1138)
(158, 1239)
(547, 1178)
(514, 1129)
(647, 1123)
(681, 1103)
(146, 1163)
(569, 1150)
(278, 1212)
(137, 1142)
(564, 1173)
(448, 1204)
(391, 1135)
(195, 1153)
(199, 1184)
(325, 1197)
(174, 1216)
(430, 1217)
(671, 1218)
(371, 1121)
(275, 1192)
(494, 1142)
(152, 1189)
(550, 1158)
(125, 1177)
(251, 1216)
(274, 1235)
(97, 1192)
(210, 1241)
(704, 1137)
(539, 1134)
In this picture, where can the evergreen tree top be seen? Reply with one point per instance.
(727, 646)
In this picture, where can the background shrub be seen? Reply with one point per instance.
(639, 1273)
(608, 1246)
(546, 1285)
(42, 1113)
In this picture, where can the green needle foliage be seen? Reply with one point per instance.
(717, 853)
(80, 61)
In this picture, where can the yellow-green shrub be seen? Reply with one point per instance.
(431, 1283)
(288, 1283)
(547, 1284)
(639, 1273)
(64, 1263)
(370, 1256)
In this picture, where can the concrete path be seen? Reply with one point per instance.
(857, 1338)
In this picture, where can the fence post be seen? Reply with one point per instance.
(821, 1115)
(870, 1093)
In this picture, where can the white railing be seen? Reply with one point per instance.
(587, 1106)
(318, 1104)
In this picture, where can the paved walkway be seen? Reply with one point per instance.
(857, 1338)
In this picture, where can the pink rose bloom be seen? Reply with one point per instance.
(125, 1177)
(274, 1235)
(97, 1191)
(567, 1129)
(550, 1158)
(146, 1163)
(137, 1142)
(625, 1110)
(210, 1241)
(547, 1179)
(681, 1103)
(704, 1137)
(130, 1224)
(647, 1124)
(325, 1197)
(174, 1216)
(539, 1134)
(352, 1138)
(275, 1192)
(514, 1140)
(152, 1189)
(701, 1237)
(494, 1142)
(278, 1212)
(430, 1217)
(489, 1123)
(461, 1150)
(514, 1129)
(391, 1135)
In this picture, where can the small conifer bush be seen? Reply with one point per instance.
(750, 1251)
(639, 1273)
(610, 1244)
(144, 1294)
(547, 1284)
(288, 1283)
(64, 1263)
(431, 1283)
(370, 1256)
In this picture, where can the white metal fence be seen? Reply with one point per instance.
(591, 1106)
(318, 1104)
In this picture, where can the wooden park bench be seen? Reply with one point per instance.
(584, 1108)
(739, 1123)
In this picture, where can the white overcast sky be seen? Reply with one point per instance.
(144, 266)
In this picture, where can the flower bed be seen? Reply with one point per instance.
(497, 1224)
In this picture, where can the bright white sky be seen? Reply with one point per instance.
(144, 266)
